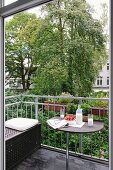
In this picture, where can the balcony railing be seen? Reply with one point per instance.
(93, 145)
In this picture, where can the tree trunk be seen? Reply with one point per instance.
(23, 82)
(28, 82)
(22, 75)
(60, 28)
(70, 61)
(70, 75)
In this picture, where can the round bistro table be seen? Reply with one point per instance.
(97, 126)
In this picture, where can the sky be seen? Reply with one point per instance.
(9, 1)
(96, 4)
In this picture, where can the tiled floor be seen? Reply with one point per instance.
(49, 160)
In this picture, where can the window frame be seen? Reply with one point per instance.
(20, 6)
(99, 81)
(108, 81)
(107, 66)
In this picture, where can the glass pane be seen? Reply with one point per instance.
(107, 80)
(107, 66)
(97, 82)
(100, 82)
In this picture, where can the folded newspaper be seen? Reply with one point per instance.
(57, 123)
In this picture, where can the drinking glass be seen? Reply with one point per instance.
(90, 119)
(62, 113)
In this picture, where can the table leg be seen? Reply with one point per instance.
(67, 150)
(80, 143)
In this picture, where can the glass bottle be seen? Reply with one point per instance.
(79, 116)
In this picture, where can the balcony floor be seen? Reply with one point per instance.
(44, 159)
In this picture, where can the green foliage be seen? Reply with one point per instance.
(100, 94)
(78, 45)
(71, 108)
(50, 78)
(98, 103)
(12, 110)
(97, 140)
(10, 92)
(20, 47)
(66, 97)
(63, 50)
(52, 100)
(86, 108)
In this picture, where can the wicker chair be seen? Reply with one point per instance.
(19, 144)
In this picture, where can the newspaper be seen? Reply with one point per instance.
(57, 123)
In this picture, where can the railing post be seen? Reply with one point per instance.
(80, 143)
(21, 104)
(80, 137)
(36, 108)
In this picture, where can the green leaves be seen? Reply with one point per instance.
(20, 39)
(50, 78)
(64, 49)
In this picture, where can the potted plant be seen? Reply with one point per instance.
(66, 97)
(86, 110)
(52, 105)
(99, 107)
(71, 108)
(55, 104)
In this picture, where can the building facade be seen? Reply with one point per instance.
(102, 81)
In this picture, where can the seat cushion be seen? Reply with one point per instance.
(21, 124)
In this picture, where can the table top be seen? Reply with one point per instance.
(97, 126)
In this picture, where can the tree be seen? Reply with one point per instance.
(20, 43)
(50, 78)
(65, 49)
(81, 43)
(51, 74)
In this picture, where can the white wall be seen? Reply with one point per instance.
(104, 73)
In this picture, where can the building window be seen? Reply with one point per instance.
(107, 66)
(107, 80)
(99, 81)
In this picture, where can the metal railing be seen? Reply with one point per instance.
(32, 106)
